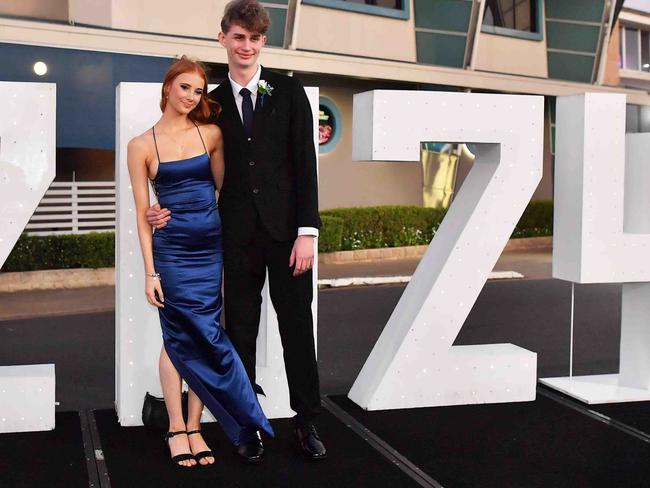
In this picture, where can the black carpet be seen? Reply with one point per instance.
(633, 414)
(53, 458)
(532, 444)
(135, 457)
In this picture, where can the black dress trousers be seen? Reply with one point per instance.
(245, 268)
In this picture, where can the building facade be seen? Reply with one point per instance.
(541, 47)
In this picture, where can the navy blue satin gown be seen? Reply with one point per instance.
(189, 257)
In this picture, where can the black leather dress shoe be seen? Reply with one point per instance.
(310, 442)
(252, 450)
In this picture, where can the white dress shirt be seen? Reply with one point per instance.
(252, 87)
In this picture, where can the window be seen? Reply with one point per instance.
(518, 18)
(398, 9)
(635, 49)
(631, 49)
(645, 54)
(277, 10)
(397, 4)
(329, 125)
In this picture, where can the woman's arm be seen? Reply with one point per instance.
(216, 155)
(137, 163)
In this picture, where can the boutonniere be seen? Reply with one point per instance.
(264, 88)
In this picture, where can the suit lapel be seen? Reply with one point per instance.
(261, 116)
(257, 114)
(263, 108)
(229, 108)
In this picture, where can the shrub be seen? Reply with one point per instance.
(537, 220)
(343, 229)
(94, 250)
(386, 226)
(393, 226)
(331, 234)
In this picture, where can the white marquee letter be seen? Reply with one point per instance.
(27, 167)
(414, 363)
(27, 155)
(602, 231)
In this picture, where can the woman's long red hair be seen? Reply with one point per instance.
(206, 109)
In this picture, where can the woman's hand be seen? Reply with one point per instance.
(153, 290)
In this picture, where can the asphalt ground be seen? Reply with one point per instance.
(50, 303)
(534, 314)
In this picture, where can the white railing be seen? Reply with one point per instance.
(75, 207)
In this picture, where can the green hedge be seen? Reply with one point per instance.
(537, 220)
(343, 229)
(331, 233)
(389, 226)
(393, 226)
(94, 250)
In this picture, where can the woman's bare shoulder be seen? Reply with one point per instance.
(142, 142)
(142, 148)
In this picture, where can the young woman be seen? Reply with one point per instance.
(182, 157)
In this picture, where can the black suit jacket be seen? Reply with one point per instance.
(273, 174)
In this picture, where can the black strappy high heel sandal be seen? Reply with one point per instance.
(179, 457)
(200, 455)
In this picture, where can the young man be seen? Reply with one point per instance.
(269, 211)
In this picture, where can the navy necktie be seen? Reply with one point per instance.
(247, 111)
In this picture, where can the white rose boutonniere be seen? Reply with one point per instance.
(264, 87)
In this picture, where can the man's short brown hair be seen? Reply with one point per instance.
(249, 14)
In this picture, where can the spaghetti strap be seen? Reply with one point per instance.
(197, 128)
(153, 131)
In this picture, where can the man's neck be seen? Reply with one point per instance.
(243, 76)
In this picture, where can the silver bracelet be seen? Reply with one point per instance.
(155, 276)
